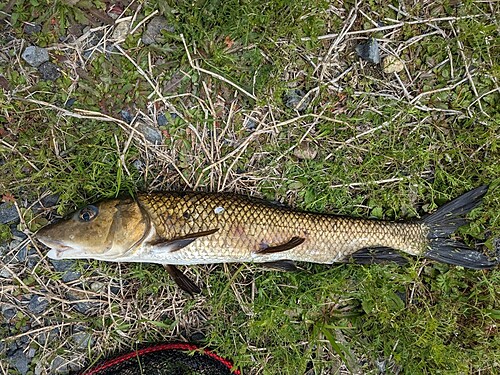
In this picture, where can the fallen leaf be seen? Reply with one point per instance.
(8, 197)
(228, 42)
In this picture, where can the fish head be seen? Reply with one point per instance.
(107, 230)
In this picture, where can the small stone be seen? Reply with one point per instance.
(5, 273)
(32, 28)
(66, 266)
(31, 352)
(294, 99)
(17, 234)
(22, 254)
(306, 151)
(35, 56)
(20, 361)
(154, 28)
(82, 340)
(62, 265)
(9, 313)
(37, 304)
(121, 31)
(369, 51)
(97, 286)
(162, 119)
(60, 365)
(52, 199)
(49, 71)
(82, 307)
(391, 64)
(8, 213)
(151, 133)
(138, 164)
(126, 116)
(69, 103)
(250, 124)
(69, 276)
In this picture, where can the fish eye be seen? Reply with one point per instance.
(88, 213)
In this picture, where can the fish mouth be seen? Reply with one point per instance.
(58, 249)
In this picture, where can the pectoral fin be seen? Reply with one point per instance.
(175, 244)
(182, 280)
(295, 241)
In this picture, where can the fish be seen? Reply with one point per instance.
(175, 228)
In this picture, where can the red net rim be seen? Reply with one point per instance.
(157, 348)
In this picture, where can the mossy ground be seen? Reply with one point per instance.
(390, 146)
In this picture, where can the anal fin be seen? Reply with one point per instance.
(184, 282)
(294, 241)
(281, 265)
(371, 255)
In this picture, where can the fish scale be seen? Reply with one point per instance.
(246, 225)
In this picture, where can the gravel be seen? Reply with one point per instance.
(151, 133)
(153, 30)
(60, 365)
(49, 71)
(369, 51)
(162, 119)
(35, 56)
(20, 361)
(8, 213)
(32, 28)
(293, 98)
(82, 340)
(66, 266)
(37, 304)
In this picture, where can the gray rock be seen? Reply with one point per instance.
(154, 28)
(9, 313)
(70, 276)
(37, 304)
(32, 28)
(97, 287)
(62, 265)
(22, 254)
(60, 365)
(369, 51)
(16, 234)
(126, 116)
(151, 133)
(139, 165)
(8, 213)
(162, 119)
(20, 361)
(66, 266)
(49, 71)
(293, 97)
(250, 124)
(82, 340)
(82, 307)
(35, 56)
(52, 199)
(43, 338)
(5, 273)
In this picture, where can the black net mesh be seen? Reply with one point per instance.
(163, 362)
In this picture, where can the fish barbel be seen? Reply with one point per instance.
(186, 228)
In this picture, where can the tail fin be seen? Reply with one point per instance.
(444, 222)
